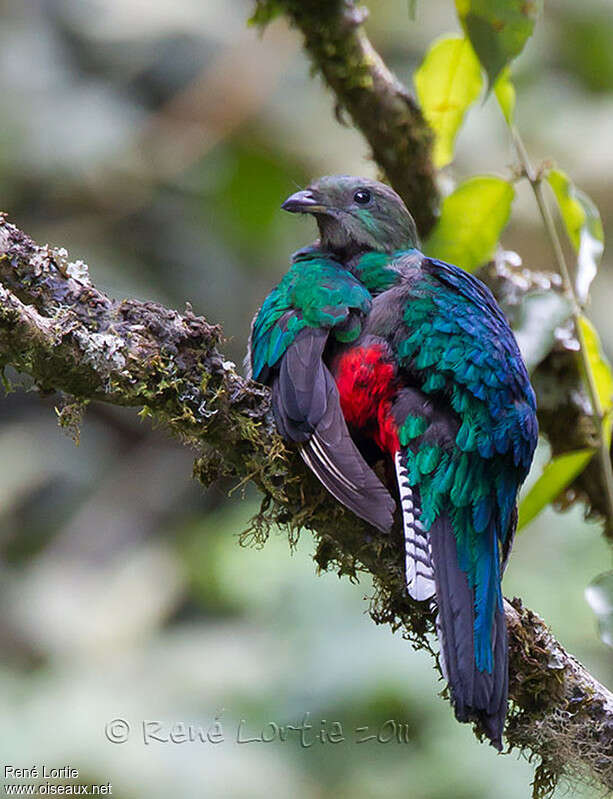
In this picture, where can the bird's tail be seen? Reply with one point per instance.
(478, 684)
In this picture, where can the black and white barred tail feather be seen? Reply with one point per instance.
(418, 559)
(432, 570)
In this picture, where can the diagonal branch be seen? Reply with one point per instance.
(70, 337)
(378, 103)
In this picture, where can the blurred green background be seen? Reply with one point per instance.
(156, 140)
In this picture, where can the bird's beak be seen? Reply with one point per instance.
(304, 202)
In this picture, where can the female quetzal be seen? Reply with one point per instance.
(370, 346)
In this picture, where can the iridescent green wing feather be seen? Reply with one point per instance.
(317, 303)
(316, 292)
(458, 347)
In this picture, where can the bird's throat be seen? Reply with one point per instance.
(336, 239)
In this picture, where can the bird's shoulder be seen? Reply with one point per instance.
(316, 292)
(455, 314)
(317, 286)
(452, 339)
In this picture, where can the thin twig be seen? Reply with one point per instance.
(536, 182)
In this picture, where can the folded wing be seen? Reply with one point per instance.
(317, 302)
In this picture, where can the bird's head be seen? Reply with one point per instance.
(355, 215)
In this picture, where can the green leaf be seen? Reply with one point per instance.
(557, 475)
(505, 94)
(540, 314)
(447, 83)
(601, 369)
(583, 226)
(471, 221)
(265, 11)
(498, 30)
(599, 595)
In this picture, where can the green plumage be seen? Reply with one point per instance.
(316, 292)
(457, 345)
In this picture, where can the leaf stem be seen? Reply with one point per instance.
(604, 453)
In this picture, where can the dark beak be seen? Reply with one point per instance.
(304, 202)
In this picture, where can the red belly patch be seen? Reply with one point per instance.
(366, 382)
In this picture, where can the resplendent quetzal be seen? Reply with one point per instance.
(370, 346)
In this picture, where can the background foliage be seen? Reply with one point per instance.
(158, 146)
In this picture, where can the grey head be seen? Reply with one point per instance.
(356, 215)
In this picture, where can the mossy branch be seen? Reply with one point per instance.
(377, 102)
(69, 337)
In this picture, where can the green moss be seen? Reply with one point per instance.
(70, 417)
(265, 12)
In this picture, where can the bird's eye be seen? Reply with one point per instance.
(362, 196)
